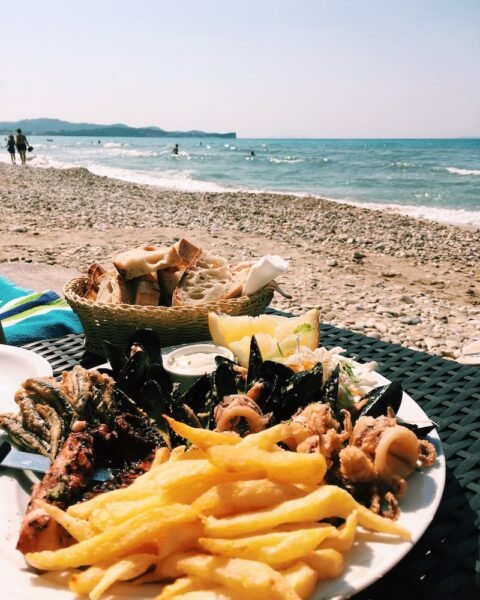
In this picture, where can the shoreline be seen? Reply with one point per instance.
(443, 216)
(401, 279)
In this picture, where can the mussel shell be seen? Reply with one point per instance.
(302, 389)
(255, 362)
(132, 376)
(157, 373)
(271, 369)
(380, 399)
(153, 400)
(330, 393)
(196, 395)
(225, 383)
(148, 340)
(420, 431)
(115, 357)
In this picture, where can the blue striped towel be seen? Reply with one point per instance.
(28, 316)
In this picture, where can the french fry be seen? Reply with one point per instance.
(182, 585)
(209, 592)
(342, 538)
(291, 467)
(83, 582)
(202, 438)
(248, 576)
(123, 570)
(168, 475)
(162, 455)
(241, 496)
(115, 542)
(301, 578)
(328, 501)
(276, 549)
(179, 539)
(327, 563)
(267, 438)
(218, 593)
(77, 528)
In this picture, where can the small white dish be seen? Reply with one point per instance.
(187, 363)
(17, 365)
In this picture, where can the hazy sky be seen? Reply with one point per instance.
(263, 68)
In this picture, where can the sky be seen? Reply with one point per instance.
(262, 68)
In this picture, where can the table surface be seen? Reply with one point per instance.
(445, 563)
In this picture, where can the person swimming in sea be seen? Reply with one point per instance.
(175, 149)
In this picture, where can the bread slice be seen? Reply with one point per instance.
(144, 260)
(207, 280)
(149, 258)
(112, 289)
(147, 292)
(240, 273)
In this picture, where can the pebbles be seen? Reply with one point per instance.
(407, 281)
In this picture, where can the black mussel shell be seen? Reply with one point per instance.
(255, 362)
(115, 357)
(302, 389)
(196, 395)
(132, 376)
(380, 398)
(330, 393)
(148, 340)
(153, 400)
(419, 430)
(105, 371)
(225, 383)
(271, 369)
(157, 373)
(232, 365)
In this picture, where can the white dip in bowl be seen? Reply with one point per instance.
(187, 363)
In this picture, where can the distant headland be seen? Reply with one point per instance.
(57, 127)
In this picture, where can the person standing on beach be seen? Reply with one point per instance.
(11, 148)
(21, 143)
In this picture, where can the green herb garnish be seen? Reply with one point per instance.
(303, 328)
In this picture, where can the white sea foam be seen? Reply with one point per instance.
(287, 159)
(181, 181)
(446, 216)
(456, 171)
(112, 145)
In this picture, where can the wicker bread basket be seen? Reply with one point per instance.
(174, 325)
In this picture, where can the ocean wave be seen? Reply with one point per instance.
(112, 145)
(447, 216)
(179, 181)
(403, 165)
(287, 159)
(456, 171)
(130, 152)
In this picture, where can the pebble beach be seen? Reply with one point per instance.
(403, 280)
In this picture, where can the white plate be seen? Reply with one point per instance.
(16, 365)
(368, 560)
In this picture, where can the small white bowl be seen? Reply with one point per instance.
(188, 363)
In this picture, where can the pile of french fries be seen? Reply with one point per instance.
(228, 518)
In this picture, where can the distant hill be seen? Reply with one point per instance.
(58, 127)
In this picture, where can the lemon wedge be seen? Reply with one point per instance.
(277, 336)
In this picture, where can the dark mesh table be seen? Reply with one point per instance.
(445, 563)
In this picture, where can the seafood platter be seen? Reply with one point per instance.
(276, 469)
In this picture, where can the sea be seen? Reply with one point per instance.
(437, 179)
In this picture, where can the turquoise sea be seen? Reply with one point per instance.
(438, 179)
